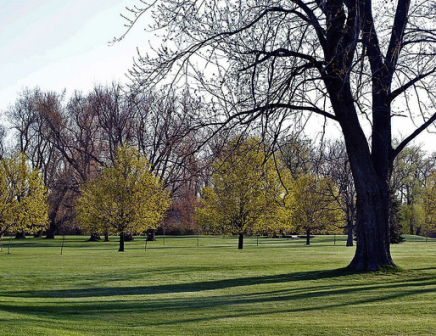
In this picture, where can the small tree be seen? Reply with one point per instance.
(315, 209)
(395, 228)
(430, 207)
(23, 197)
(246, 195)
(127, 197)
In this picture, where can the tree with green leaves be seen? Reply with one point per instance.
(411, 171)
(246, 195)
(315, 209)
(429, 202)
(23, 196)
(125, 198)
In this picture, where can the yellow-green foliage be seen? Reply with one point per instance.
(23, 196)
(127, 197)
(246, 195)
(430, 206)
(315, 210)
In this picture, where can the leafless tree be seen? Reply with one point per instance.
(337, 168)
(31, 118)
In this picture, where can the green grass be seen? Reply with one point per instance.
(280, 287)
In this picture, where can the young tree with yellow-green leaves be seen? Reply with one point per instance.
(23, 197)
(126, 197)
(315, 210)
(429, 205)
(246, 195)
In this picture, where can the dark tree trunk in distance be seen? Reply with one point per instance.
(121, 249)
(128, 237)
(106, 237)
(308, 237)
(50, 233)
(20, 235)
(151, 235)
(241, 241)
(38, 234)
(94, 237)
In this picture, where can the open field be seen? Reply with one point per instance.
(280, 287)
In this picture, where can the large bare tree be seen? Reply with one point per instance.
(353, 62)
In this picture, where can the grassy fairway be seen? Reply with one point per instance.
(280, 287)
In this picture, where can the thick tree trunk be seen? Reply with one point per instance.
(371, 177)
(121, 249)
(241, 241)
(350, 233)
(50, 233)
(373, 249)
(370, 171)
(106, 237)
(308, 237)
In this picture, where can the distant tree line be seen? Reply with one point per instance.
(225, 181)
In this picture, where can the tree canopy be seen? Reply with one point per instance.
(23, 196)
(246, 195)
(429, 205)
(125, 198)
(315, 209)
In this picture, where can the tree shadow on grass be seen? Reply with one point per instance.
(107, 291)
(187, 305)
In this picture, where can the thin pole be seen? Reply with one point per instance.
(146, 240)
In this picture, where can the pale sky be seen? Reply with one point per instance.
(57, 44)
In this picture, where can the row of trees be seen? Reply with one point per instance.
(360, 64)
(106, 157)
(70, 141)
(253, 193)
(318, 187)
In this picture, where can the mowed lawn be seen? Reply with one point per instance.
(280, 287)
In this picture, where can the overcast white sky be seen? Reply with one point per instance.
(56, 44)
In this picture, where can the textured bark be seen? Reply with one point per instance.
(371, 175)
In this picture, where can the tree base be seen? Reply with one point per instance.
(94, 238)
(358, 264)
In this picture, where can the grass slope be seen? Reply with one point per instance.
(280, 287)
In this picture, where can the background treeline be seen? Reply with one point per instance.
(71, 140)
